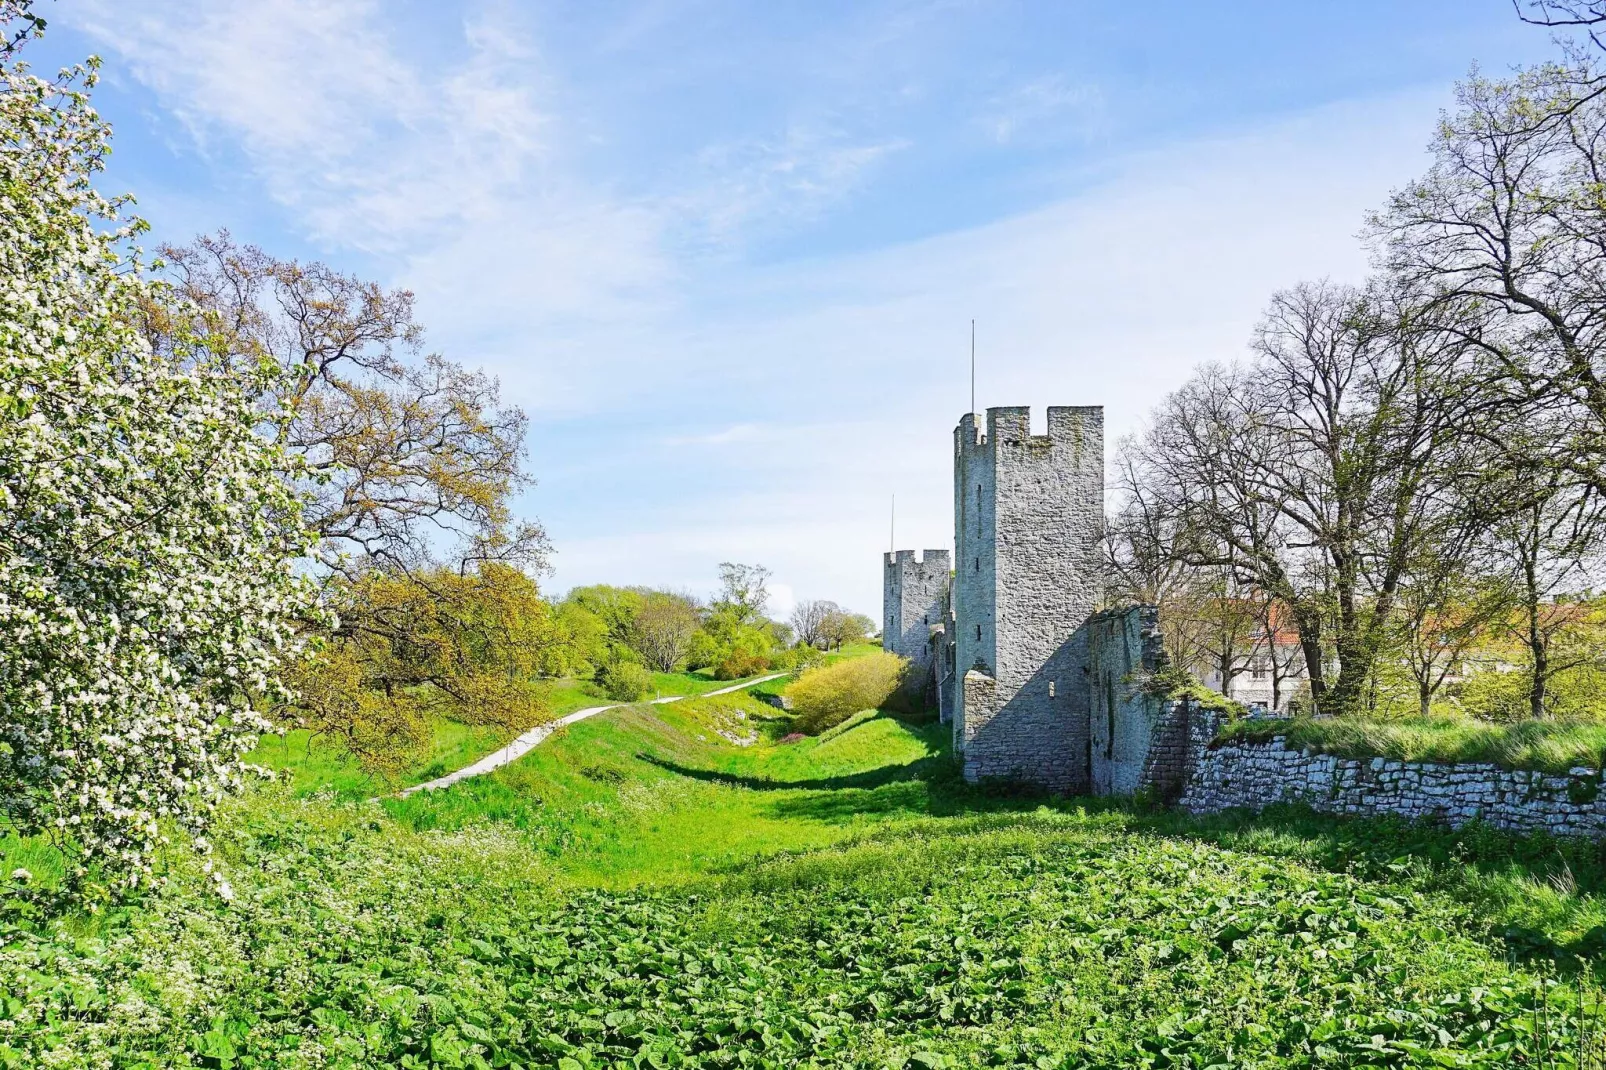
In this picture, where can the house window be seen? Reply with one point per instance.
(978, 633)
(1051, 689)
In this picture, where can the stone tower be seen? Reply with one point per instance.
(914, 598)
(1028, 519)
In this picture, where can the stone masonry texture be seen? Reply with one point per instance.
(1254, 775)
(1139, 740)
(1028, 517)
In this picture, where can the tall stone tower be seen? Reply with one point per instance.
(1028, 519)
(914, 597)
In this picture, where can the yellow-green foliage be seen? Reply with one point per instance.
(830, 694)
(408, 647)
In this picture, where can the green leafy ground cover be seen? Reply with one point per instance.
(1551, 746)
(641, 892)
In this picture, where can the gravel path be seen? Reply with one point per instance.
(521, 746)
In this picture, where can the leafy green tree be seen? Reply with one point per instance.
(841, 628)
(665, 624)
(616, 608)
(744, 593)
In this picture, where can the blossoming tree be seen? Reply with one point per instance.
(147, 535)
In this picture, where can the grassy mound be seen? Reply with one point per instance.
(641, 891)
(1550, 746)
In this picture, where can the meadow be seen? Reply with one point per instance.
(641, 891)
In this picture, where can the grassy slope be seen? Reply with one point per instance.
(1552, 746)
(640, 892)
(318, 767)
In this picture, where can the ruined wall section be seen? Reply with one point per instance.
(1130, 725)
(1029, 512)
(914, 601)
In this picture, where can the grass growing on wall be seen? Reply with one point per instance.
(1549, 746)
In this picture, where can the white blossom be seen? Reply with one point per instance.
(148, 530)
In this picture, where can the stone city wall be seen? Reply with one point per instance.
(1257, 774)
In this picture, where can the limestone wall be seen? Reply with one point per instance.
(974, 584)
(1256, 775)
(1140, 742)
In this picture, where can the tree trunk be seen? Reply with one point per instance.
(1540, 658)
(1225, 668)
(1309, 624)
(1539, 654)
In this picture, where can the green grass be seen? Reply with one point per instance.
(314, 766)
(640, 891)
(320, 766)
(1550, 746)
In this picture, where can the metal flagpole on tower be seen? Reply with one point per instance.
(973, 366)
(892, 527)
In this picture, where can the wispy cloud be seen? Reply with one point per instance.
(452, 166)
(772, 183)
(694, 403)
(1045, 107)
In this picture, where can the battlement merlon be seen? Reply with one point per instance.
(1067, 424)
(926, 559)
(967, 434)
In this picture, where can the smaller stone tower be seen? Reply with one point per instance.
(914, 600)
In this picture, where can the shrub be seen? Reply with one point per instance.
(830, 694)
(748, 654)
(797, 659)
(739, 664)
(625, 681)
(1493, 695)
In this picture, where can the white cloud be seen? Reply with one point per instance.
(782, 600)
(456, 167)
(804, 393)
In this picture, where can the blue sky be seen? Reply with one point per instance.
(726, 254)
